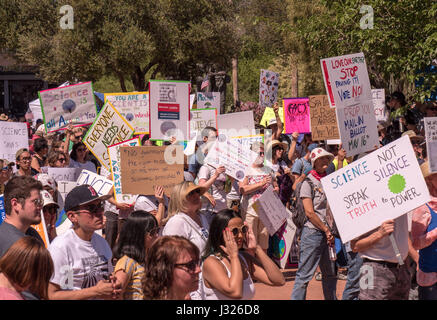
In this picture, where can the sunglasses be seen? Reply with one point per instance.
(190, 266)
(51, 208)
(193, 192)
(62, 159)
(26, 159)
(79, 137)
(93, 208)
(236, 230)
(6, 168)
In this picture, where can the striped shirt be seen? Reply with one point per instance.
(135, 272)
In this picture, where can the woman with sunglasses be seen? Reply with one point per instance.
(57, 159)
(137, 235)
(172, 269)
(233, 259)
(79, 158)
(50, 213)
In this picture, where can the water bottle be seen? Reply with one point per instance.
(332, 253)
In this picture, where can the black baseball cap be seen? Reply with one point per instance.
(81, 195)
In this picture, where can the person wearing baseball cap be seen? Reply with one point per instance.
(82, 253)
(302, 165)
(316, 237)
(49, 210)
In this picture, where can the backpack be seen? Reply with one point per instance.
(299, 216)
(285, 184)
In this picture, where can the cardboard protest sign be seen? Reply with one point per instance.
(144, 168)
(268, 88)
(114, 157)
(232, 154)
(378, 98)
(323, 119)
(109, 128)
(102, 185)
(431, 142)
(134, 107)
(169, 109)
(208, 100)
(42, 230)
(64, 174)
(74, 104)
(236, 123)
(346, 80)
(270, 210)
(13, 136)
(383, 185)
(296, 115)
(270, 114)
(358, 129)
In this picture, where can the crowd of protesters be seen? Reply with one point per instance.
(204, 240)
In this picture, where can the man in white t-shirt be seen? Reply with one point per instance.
(82, 258)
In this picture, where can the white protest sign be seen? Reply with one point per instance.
(357, 126)
(169, 109)
(378, 98)
(134, 107)
(283, 241)
(231, 154)
(74, 104)
(14, 136)
(64, 187)
(208, 100)
(109, 128)
(431, 142)
(236, 123)
(202, 118)
(383, 185)
(346, 80)
(114, 156)
(102, 185)
(64, 174)
(270, 210)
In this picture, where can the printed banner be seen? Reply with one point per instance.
(114, 157)
(383, 185)
(14, 136)
(378, 98)
(346, 80)
(323, 119)
(202, 118)
(270, 210)
(207, 100)
(70, 104)
(358, 129)
(270, 114)
(233, 154)
(64, 174)
(102, 185)
(134, 107)
(146, 167)
(169, 110)
(431, 142)
(236, 123)
(268, 88)
(109, 128)
(296, 115)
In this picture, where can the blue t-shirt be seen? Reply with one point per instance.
(300, 165)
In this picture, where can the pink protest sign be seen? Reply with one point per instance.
(296, 115)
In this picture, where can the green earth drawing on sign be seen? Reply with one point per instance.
(396, 183)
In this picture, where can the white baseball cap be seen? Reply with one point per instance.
(319, 153)
(47, 198)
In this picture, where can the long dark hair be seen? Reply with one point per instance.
(132, 235)
(215, 239)
(73, 154)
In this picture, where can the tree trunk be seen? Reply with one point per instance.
(122, 84)
(235, 81)
(294, 77)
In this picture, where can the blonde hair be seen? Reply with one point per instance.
(177, 200)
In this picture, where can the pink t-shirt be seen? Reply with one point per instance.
(9, 294)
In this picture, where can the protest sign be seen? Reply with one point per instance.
(282, 242)
(270, 114)
(64, 174)
(270, 210)
(42, 231)
(109, 128)
(296, 115)
(346, 80)
(169, 109)
(358, 131)
(207, 100)
(144, 168)
(64, 187)
(14, 136)
(268, 88)
(383, 185)
(102, 185)
(202, 118)
(378, 99)
(431, 142)
(323, 119)
(2, 209)
(236, 123)
(74, 104)
(114, 157)
(232, 154)
(192, 97)
(134, 107)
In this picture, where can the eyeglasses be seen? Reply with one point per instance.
(154, 231)
(93, 208)
(38, 202)
(189, 266)
(26, 159)
(62, 159)
(236, 230)
(79, 137)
